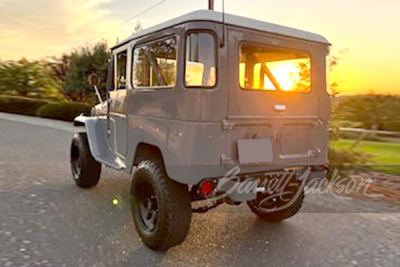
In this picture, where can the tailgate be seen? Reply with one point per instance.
(277, 101)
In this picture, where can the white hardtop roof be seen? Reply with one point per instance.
(208, 15)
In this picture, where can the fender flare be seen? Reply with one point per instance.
(90, 125)
(80, 121)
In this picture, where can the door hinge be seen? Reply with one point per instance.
(318, 123)
(227, 125)
(225, 160)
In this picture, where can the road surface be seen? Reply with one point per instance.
(47, 221)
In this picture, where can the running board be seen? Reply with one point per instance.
(113, 162)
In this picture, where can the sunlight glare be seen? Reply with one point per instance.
(287, 76)
(115, 201)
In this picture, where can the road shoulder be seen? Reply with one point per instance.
(58, 125)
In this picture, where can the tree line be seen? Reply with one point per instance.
(371, 111)
(62, 77)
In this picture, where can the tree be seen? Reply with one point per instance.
(302, 79)
(344, 160)
(82, 63)
(28, 78)
(59, 67)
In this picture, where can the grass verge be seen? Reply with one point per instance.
(386, 155)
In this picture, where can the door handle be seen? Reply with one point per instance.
(280, 107)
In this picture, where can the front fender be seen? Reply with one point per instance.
(96, 131)
(80, 121)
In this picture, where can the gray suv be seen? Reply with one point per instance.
(198, 109)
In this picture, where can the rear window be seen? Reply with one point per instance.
(273, 69)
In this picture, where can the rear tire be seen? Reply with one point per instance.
(160, 206)
(85, 170)
(287, 206)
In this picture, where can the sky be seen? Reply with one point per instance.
(365, 34)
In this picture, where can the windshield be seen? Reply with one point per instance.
(272, 69)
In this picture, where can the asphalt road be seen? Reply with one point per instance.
(47, 221)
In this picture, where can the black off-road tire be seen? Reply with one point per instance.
(170, 203)
(296, 197)
(85, 169)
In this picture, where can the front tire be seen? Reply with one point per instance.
(160, 206)
(85, 170)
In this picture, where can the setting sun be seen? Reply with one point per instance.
(286, 74)
(274, 69)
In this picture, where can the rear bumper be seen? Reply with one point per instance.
(316, 175)
(244, 187)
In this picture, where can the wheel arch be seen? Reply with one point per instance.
(147, 149)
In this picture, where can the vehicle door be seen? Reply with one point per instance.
(118, 116)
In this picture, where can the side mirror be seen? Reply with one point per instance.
(93, 79)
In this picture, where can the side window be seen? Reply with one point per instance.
(121, 70)
(154, 64)
(200, 68)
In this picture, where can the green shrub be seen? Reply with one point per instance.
(348, 161)
(21, 105)
(340, 156)
(65, 111)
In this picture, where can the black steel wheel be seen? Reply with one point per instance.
(85, 170)
(160, 206)
(147, 207)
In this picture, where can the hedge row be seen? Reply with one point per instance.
(65, 111)
(21, 105)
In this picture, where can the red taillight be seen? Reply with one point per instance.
(325, 168)
(206, 188)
